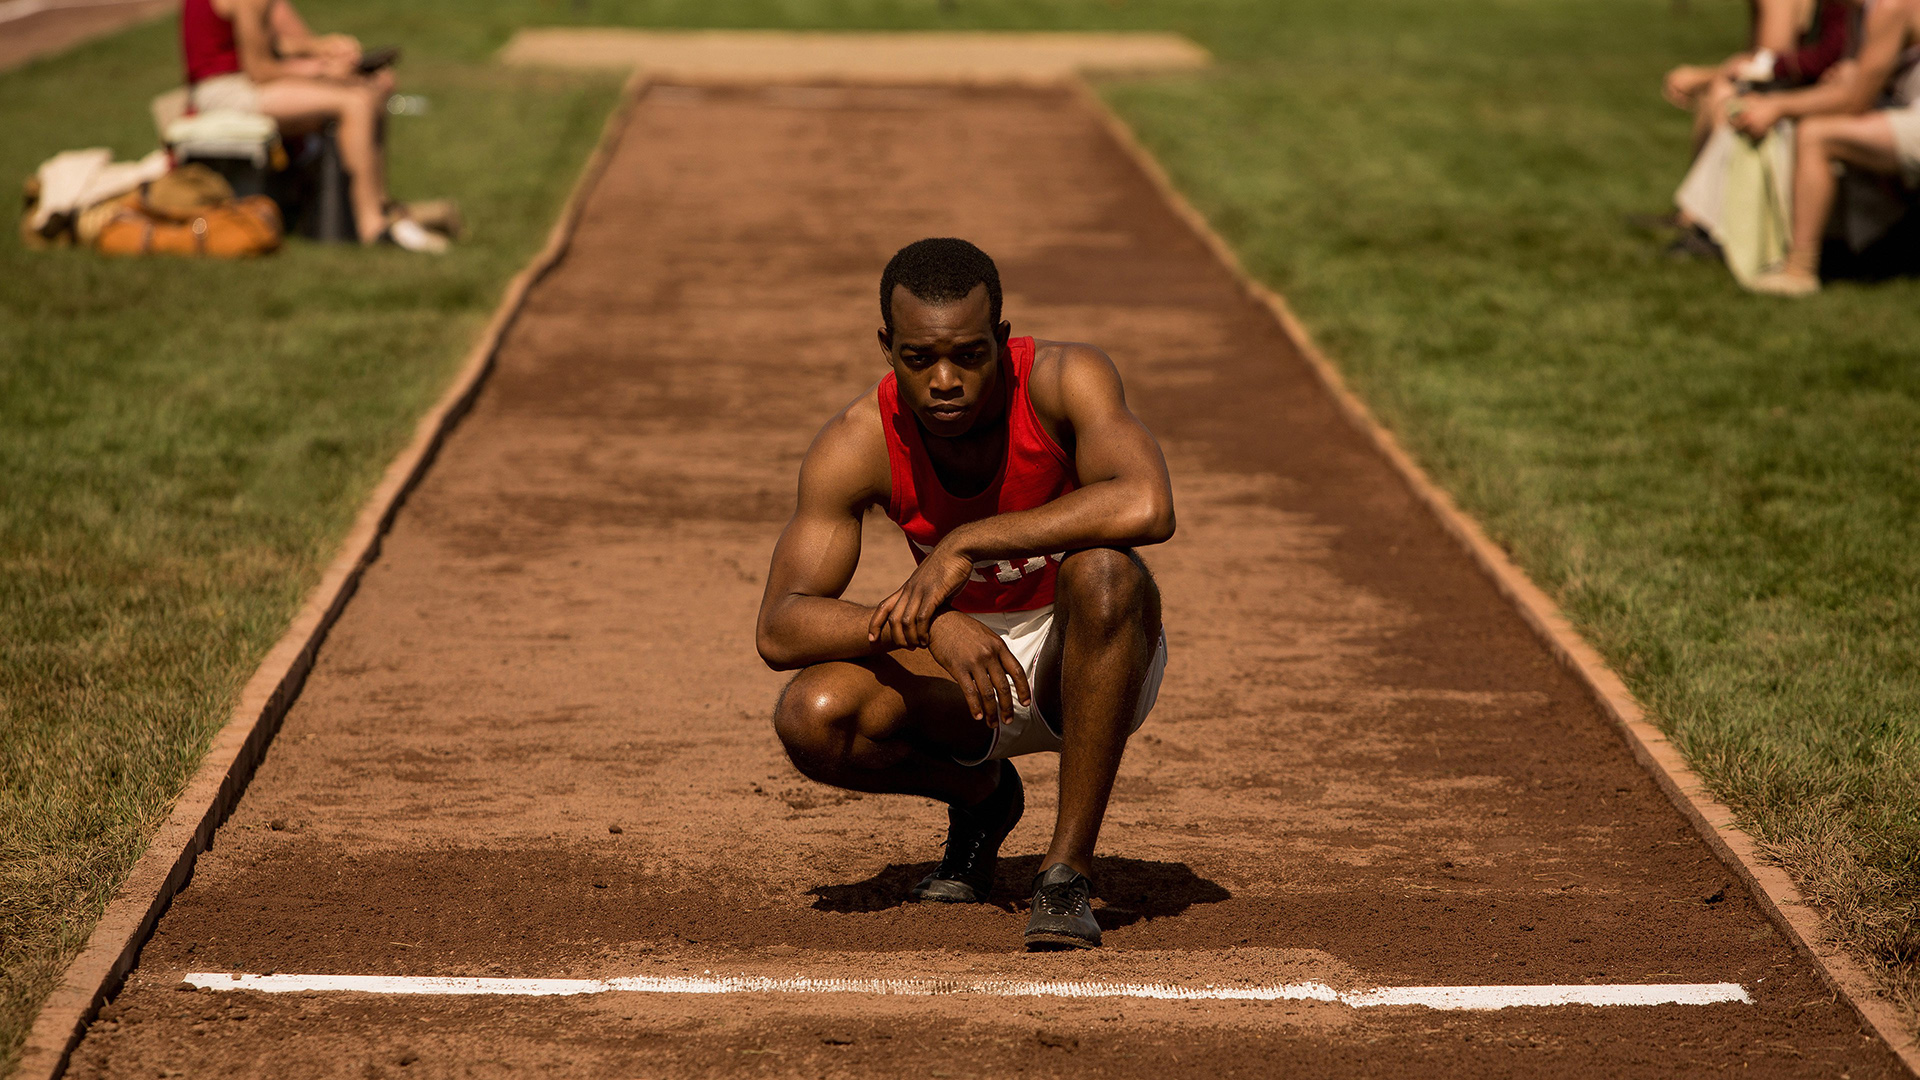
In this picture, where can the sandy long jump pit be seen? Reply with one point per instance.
(529, 814)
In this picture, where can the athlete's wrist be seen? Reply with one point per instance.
(943, 622)
(958, 543)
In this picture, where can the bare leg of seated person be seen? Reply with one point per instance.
(897, 724)
(1866, 141)
(306, 105)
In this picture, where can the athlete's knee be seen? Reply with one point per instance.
(816, 723)
(1107, 590)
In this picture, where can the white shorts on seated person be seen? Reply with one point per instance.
(1030, 732)
(1906, 141)
(234, 91)
(1904, 117)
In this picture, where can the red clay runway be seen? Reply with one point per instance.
(65, 24)
(1363, 771)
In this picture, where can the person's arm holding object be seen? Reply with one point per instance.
(260, 57)
(293, 37)
(1849, 87)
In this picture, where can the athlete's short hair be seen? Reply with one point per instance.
(939, 270)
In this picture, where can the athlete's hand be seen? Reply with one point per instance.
(980, 662)
(907, 616)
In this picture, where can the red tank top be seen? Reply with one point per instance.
(1034, 471)
(207, 40)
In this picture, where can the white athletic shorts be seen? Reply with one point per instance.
(1906, 141)
(1029, 732)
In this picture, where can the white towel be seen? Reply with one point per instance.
(76, 179)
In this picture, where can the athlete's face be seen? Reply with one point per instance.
(947, 359)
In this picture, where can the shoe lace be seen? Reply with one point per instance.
(1062, 899)
(963, 846)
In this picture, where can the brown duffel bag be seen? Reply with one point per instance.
(231, 230)
(185, 193)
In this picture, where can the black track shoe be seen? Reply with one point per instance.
(1062, 911)
(974, 836)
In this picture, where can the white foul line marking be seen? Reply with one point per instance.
(1433, 997)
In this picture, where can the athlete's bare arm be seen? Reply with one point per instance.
(1125, 497)
(803, 621)
(802, 618)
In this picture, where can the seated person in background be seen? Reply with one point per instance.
(1840, 123)
(259, 56)
(1794, 43)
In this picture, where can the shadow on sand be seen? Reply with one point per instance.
(1129, 889)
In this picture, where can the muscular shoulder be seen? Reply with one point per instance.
(1065, 372)
(848, 459)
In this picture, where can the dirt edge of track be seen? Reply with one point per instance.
(113, 948)
(1775, 891)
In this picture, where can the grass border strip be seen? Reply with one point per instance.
(1712, 819)
(113, 948)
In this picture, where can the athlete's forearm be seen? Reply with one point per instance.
(1110, 513)
(801, 630)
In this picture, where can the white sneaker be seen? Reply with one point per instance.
(1785, 283)
(413, 236)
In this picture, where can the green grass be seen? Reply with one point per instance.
(1722, 490)
(185, 443)
(1719, 489)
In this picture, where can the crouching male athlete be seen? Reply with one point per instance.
(1023, 483)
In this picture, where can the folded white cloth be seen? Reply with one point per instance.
(76, 179)
(222, 133)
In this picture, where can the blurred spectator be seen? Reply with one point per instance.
(1866, 115)
(259, 56)
(1794, 43)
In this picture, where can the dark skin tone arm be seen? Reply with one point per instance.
(803, 621)
(1125, 497)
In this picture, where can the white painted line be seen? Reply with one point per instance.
(1506, 997)
(1432, 997)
